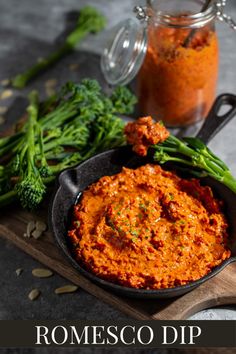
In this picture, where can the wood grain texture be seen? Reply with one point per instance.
(219, 290)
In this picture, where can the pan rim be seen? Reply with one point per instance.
(106, 283)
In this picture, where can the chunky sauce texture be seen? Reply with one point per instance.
(149, 229)
(143, 133)
(177, 84)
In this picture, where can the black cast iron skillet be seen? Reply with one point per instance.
(72, 182)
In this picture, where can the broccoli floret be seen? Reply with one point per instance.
(90, 21)
(30, 191)
(123, 100)
(81, 122)
(30, 188)
(2, 169)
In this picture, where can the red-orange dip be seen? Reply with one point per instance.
(177, 84)
(143, 133)
(149, 229)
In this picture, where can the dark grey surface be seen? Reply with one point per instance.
(14, 302)
(27, 31)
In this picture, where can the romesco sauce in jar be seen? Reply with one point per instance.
(177, 84)
(172, 52)
(178, 78)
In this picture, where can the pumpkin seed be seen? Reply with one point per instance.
(50, 91)
(30, 228)
(3, 109)
(51, 83)
(73, 66)
(5, 82)
(41, 226)
(40, 59)
(42, 273)
(34, 294)
(36, 234)
(66, 289)
(6, 94)
(2, 119)
(19, 271)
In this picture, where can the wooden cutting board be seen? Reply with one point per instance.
(219, 290)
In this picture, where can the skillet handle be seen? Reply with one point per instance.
(215, 122)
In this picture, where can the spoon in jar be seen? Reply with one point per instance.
(193, 31)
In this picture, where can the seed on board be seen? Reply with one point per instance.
(73, 66)
(6, 94)
(25, 234)
(3, 109)
(5, 82)
(19, 271)
(34, 294)
(41, 226)
(42, 273)
(51, 83)
(66, 289)
(40, 59)
(2, 119)
(30, 228)
(50, 91)
(36, 234)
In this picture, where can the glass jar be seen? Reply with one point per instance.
(173, 52)
(178, 78)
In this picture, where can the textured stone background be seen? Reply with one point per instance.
(29, 30)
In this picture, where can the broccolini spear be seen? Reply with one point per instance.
(30, 188)
(123, 100)
(9, 144)
(189, 152)
(96, 126)
(90, 21)
(197, 157)
(78, 123)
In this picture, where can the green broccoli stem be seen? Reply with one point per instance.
(8, 198)
(9, 144)
(177, 151)
(199, 157)
(104, 140)
(9, 139)
(228, 180)
(90, 21)
(49, 180)
(28, 151)
(59, 116)
(21, 80)
(30, 135)
(81, 122)
(8, 148)
(196, 159)
(11, 196)
(30, 187)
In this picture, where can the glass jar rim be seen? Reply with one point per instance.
(195, 20)
(124, 54)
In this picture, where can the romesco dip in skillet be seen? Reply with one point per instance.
(148, 228)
